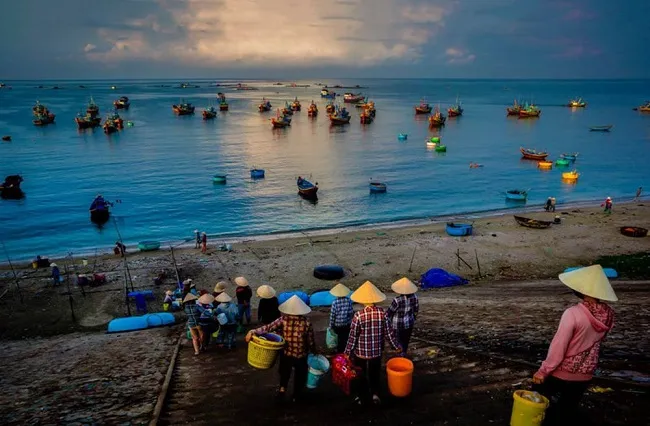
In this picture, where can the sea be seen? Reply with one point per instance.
(159, 171)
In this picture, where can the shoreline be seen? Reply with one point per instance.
(243, 238)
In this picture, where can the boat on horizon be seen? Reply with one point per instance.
(306, 189)
(605, 128)
(530, 111)
(183, 108)
(577, 103)
(350, 97)
(531, 154)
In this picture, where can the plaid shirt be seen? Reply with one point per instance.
(341, 313)
(370, 327)
(296, 331)
(403, 310)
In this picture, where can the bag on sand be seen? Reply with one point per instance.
(331, 339)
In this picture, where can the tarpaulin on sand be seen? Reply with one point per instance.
(438, 278)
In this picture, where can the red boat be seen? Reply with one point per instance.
(531, 154)
(109, 127)
(455, 111)
(87, 122)
(530, 112)
(122, 103)
(209, 113)
(184, 108)
(514, 109)
(264, 106)
(423, 108)
(44, 119)
(307, 189)
(353, 98)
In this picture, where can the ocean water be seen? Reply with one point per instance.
(161, 168)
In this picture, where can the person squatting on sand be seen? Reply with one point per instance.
(368, 332)
(573, 354)
(298, 334)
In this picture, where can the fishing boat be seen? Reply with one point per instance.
(437, 119)
(265, 106)
(109, 126)
(362, 103)
(376, 186)
(10, 188)
(257, 173)
(325, 93)
(545, 165)
(183, 108)
(459, 229)
(402, 136)
(287, 109)
(306, 189)
(570, 157)
(116, 119)
(223, 104)
(516, 195)
(643, 108)
(530, 111)
(577, 103)
(281, 121)
(423, 108)
(209, 113)
(295, 105)
(312, 111)
(330, 108)
(562, 162)
(122, 103)
(352, 97)
(531, 154)
(219, 178)
(514, 109)
(92, 110)
(340, 116)
(43, 120)
(605, 128)
(6, 138)
(365, 117)
(572, 175)
(99, 210)
(455, 110)
(87, 122)
(532, 223)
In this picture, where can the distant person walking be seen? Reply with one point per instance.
(197, 237)
(638, 194)
(608, 205)
(204, 243)
(56, 274)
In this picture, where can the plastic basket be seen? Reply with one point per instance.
(262, 357)
(269, 340)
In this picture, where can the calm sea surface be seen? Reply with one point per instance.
(161, 168)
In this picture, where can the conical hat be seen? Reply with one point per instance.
(189, 297)
(241, 282)
(368, 294)
(404, 286)
(206, 299)
(340, 290)
(221, 286)
(223, 298)
(590, 281)
(294, 306)
(266, 291)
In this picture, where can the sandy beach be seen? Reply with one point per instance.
(499, 324)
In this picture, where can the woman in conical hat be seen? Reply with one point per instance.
(219, 288)
(231, 312)
(573, 355)
(298, 334)
(368, 332)
(404, 310)
(244, 295)
(267, 310)
(206, 318)
(341, 315)
(191, 310)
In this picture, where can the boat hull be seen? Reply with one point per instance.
(339, 121)
(278, 124)
(454, 113)
(87, 123)
(532, 223)
(459, 229)
(257, 174)
(100, 217)
(423, 110)
(223, 107)
(600, 128)
(13, 193)
(183, 111)
(513, 196)
(527, 114)
(377, 187)
(530, 156)
(219, 178)
(148, 245)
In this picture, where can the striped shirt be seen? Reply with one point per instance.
(403, 311)
(369, 329)
(341, 313)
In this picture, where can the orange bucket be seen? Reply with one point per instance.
(400, 376)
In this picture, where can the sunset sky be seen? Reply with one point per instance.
(325, 38)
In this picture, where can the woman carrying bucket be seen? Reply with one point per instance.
(298, 334)
(341, 315)
(370, 328)
(573, 355)
(403, 311)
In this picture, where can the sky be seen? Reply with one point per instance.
(293, 39)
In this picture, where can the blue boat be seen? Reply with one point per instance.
(609, 272)
(327, 94)
(570, 157)
(376, 187)
(402, 136)
(141, 323)
(459, 229)
(148, 245)
(307, 189)
(516, 195)
(257, 174)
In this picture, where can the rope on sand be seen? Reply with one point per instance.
(165, 386)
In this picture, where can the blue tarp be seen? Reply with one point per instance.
(438, 278)
(283, 297)
(609, 272)
(321, 298)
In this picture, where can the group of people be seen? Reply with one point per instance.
(563, 377)
(550, 204)
(201, 241)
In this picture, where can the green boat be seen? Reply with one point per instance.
(441, 148)
(562, 162)
(219, 178)
(148, 245)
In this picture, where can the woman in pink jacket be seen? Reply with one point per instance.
(573, 355)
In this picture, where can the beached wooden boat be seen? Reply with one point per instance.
(209, 113)
(10, 188)
(307, 189)
(634, 231)
(570, 157)
(516, 195)
(532, 223)
(606, 128)
(148, 245)
(577, 103)
(531, 154)
(376, 186)
(545, 165)
(265, 106)
(573, 175)
(184, 108)
(122, 103)
(423, 108)
(459, 229)
(437, 119)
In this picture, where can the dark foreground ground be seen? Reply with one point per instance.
(473, 347)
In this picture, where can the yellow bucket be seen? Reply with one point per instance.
(526, 412)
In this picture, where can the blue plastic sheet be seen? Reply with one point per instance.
(438, 278)
(609, 272)
(283, 297)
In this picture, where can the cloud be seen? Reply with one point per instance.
(301, 33)
(459, 56)
(89, 47)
